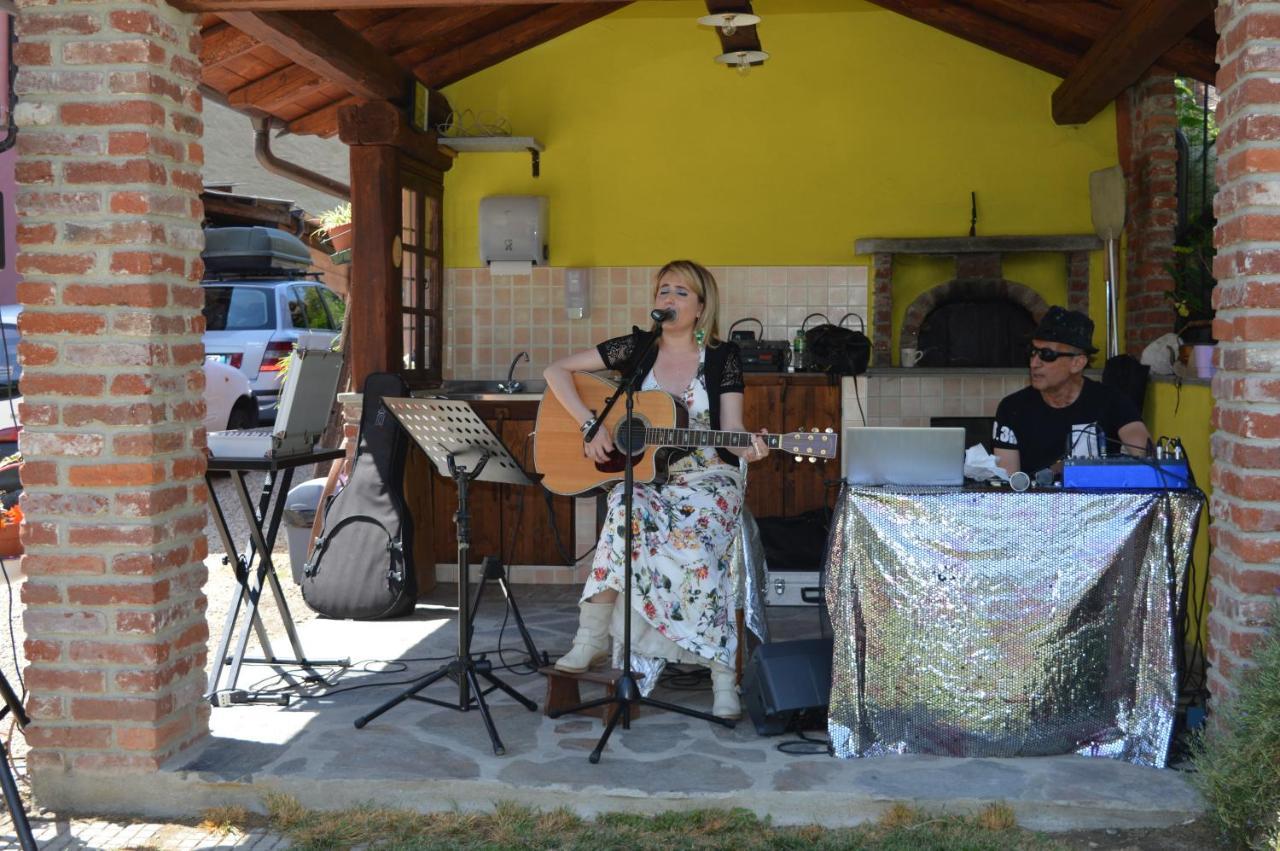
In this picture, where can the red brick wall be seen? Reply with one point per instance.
(108, 181)
(1245, 568)
(1146, 122)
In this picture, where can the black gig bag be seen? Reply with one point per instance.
(362, 564)
(837, 350)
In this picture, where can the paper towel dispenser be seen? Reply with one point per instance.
(513, 229)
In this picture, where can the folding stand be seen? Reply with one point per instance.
(452, 435)
(279, 476)
(627, 691)
(12, 798)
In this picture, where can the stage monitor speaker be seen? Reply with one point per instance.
(784, 679)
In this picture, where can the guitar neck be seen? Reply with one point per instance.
(686, 437)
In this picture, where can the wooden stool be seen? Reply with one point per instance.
(562, 690)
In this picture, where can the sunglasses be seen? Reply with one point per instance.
(1049, 355)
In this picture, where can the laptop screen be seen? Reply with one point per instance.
(904, 456)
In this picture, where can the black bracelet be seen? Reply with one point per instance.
(587, 426)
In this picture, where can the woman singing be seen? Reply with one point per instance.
(684, 529)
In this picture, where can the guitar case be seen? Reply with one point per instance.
(362, 564)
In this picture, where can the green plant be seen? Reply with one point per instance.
(1192, 271)
(1237, 757)
(339, 215)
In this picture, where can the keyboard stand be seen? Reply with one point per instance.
(253, 567)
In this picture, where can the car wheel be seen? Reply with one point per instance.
(244, 414)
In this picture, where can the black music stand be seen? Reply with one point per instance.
(251, 579)
(463, 448)
(626, 690)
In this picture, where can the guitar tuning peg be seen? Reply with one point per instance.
(813, 460)
(830, 431)
(797, 458)
(814, 430)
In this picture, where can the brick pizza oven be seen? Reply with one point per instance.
(996, 314)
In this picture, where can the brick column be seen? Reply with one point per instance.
(1245, 567)
(109, 180)
(1078, 281)
(882, 309)
(1146, 121)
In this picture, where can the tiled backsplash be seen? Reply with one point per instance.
(909, 397)
(489, 319)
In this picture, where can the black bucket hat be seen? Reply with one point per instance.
(1070, 327)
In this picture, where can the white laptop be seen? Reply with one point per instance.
(904, 456)
(305, 404)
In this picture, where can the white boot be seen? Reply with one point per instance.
(591, 644)
(724, 684)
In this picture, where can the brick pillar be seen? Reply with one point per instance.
(109, 238)
(882, 309)
(1078, 280)
(1245, 567)
(1146, 121)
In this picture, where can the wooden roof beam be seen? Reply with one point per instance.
(321, 43)
(220, 6)
(995, 35)
(1145, 31)
(466, 59)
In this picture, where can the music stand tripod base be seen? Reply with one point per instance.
(464, 449)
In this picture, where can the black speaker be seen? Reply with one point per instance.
(784, 679)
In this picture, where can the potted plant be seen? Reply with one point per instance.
(1193, 281)
(336, 224)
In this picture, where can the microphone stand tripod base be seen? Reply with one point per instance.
(626, 691)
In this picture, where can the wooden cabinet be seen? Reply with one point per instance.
(506, 520)
(779, 485)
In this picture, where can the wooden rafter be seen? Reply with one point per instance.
(1090, 21)
(222, 42)
(465, 59)
(338, 5)
(321, 43)
(1145, 30)
(995, 35)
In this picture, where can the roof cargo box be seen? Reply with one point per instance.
(253, 249)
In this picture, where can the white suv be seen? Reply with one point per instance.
(257, 304)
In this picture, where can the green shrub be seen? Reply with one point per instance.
(1237, 757)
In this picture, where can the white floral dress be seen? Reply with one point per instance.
(683, 535)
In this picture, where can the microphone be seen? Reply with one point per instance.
(661, 315)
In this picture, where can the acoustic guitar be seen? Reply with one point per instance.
(657, 436)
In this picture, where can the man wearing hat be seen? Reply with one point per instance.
(1063, 413)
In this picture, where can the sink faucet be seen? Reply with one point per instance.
(511, 385)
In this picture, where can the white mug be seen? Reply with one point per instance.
(911, 356)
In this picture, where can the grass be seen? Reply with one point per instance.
(509, 826)
(1237, 757)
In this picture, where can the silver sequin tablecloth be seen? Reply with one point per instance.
(998, 624)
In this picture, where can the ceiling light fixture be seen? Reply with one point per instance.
(728, 22)
(742, 59)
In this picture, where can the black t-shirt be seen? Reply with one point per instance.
(1041, 433)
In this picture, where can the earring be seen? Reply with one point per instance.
(699, 336)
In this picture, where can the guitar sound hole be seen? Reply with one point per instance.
(629, 437)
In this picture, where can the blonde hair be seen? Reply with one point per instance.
(703, 283)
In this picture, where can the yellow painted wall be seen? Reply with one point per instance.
(862, 123)
(1185, 413)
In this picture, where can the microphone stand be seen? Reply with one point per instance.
(626, 689)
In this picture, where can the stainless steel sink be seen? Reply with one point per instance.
(490, 391)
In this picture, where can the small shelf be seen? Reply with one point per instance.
(496, 144)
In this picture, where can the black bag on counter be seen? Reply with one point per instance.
(837, 350)
(362, 564)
